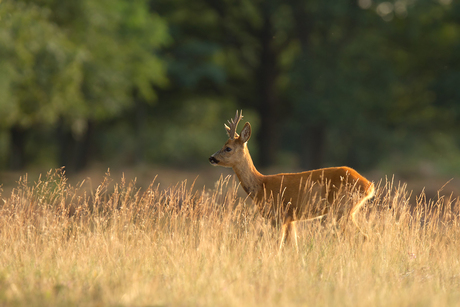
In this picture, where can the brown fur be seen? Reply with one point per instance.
(284, 195)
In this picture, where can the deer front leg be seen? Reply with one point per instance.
(288, 228)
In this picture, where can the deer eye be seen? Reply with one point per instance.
(228, 149)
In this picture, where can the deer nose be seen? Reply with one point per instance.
(213, 160)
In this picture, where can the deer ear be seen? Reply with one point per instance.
(245, 133)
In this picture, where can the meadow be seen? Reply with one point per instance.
(117, 244)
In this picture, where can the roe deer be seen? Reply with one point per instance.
(285, 193)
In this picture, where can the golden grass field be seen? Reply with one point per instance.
(118, 245)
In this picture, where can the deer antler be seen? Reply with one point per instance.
(231, 130)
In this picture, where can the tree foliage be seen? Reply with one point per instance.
(77, 60)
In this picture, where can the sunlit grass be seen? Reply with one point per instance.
(64, 245)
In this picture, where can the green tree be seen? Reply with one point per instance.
(339, 82)
(236, 50)
(365, 72)
(73, 63)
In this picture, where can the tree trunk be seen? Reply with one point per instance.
(65, 141)
(313, 132)
(313, 147)
(83, 150)
(140, 126)
(267, 137)
(17, 149)
(74, 153)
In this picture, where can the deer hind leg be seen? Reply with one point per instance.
(355, 209)
(288, 229)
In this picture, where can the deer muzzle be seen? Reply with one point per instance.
(213, 160)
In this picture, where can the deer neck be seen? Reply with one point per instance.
(249, 176)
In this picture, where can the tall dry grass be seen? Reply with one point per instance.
(117, 245)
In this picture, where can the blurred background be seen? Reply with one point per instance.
(145, 86)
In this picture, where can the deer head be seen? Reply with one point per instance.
(234, 150)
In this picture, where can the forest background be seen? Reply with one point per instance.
(138, 84)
